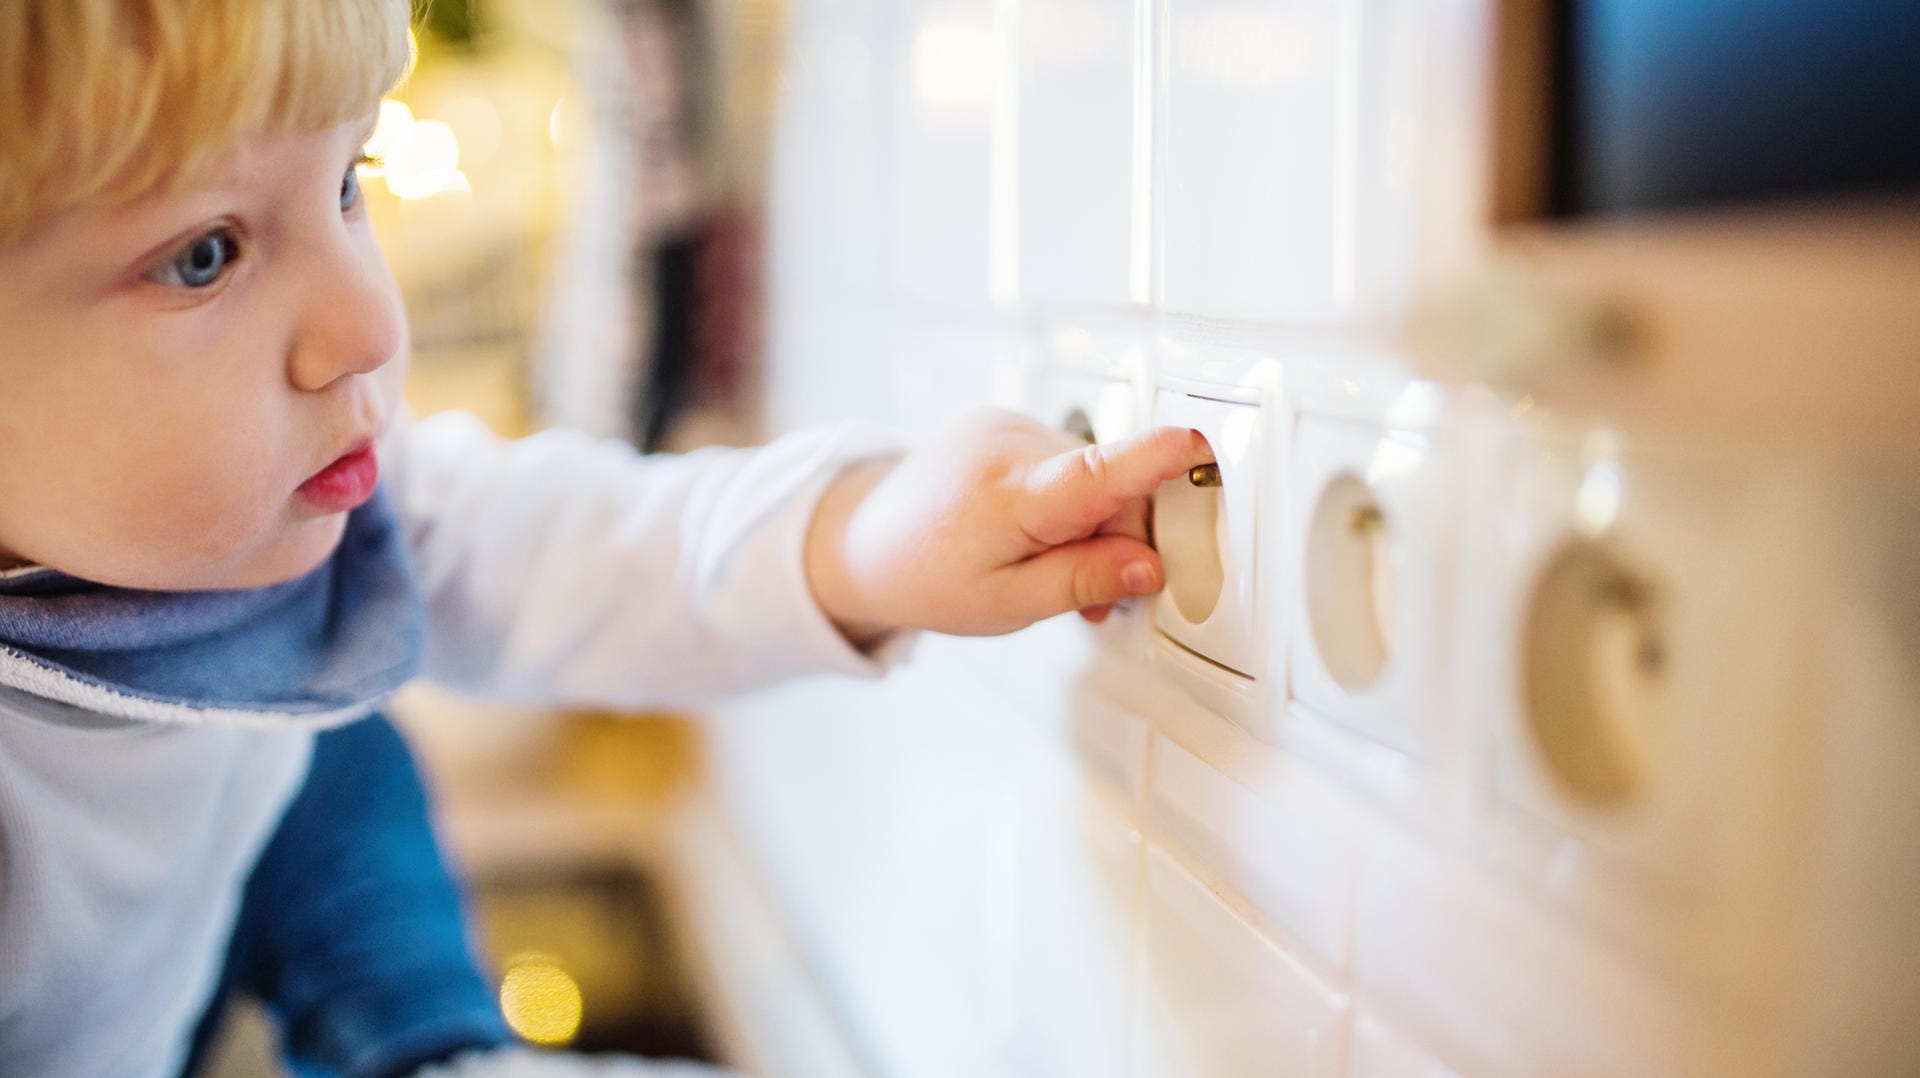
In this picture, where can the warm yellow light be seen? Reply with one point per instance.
(428, 164)
(435, 146)
(556, 121)
(541, 1002)
(477, 122)
(392, 136)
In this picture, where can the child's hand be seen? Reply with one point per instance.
(995, 525)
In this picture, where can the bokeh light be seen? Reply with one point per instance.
(541, 1001)
(418, 158)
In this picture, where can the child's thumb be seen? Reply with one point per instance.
(1091, 572)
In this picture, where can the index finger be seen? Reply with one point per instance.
(1075, 492)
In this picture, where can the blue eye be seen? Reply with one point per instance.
(350, 188)
(200, 261)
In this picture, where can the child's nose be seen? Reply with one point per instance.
(352, 321)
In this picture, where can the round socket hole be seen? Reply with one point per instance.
(1078, 425)
(1351, 584)
(1594, 662)
(1187, 528)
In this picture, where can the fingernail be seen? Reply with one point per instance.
(1138, 577)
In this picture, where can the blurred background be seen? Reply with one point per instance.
(570, 198)
(573, 205)
(1534, 696)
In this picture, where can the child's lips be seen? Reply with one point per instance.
(346, 483)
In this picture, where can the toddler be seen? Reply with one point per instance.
(219, 536)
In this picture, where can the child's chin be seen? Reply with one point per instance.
(299, 554)
(288, 556)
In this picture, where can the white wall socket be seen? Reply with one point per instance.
(1641, 684)
(1213, 621)
(1208, 535)
(1368, 537)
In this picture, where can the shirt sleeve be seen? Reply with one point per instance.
(563, 569)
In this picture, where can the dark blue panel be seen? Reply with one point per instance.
(1683, 102)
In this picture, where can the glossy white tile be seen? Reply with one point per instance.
(1219, 1000)
(1379, 1052)
(1490, 980)
(1079, 234)
(1274, 832)
(827, 226)
(1252, 215)
(949, 84)
(1069, 981)
(951, 376)
(1110, 736)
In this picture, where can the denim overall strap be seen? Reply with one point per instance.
(352, 931)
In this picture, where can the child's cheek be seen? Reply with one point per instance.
(210, 502)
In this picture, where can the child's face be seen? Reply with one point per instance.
(173, 372)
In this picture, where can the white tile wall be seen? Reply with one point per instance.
(1255, 164)
(1219, 999)
(1091, 852)
(1073, 962)
(942, 230)
(834, 107)
(1112, 741)
(1868, 862)
(936, 373)
(1379, 1052)
(1081, 154)
(1291, 844)
(902, 833)
(1484, 977)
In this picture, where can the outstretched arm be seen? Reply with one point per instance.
(559, 568)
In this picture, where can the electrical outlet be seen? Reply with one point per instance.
(1368, 541)
(1643, 687)
(1213, 619)
(1205, 526)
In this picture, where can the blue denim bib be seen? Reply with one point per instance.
(317, 651)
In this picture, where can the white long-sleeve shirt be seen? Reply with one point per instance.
(555, 568)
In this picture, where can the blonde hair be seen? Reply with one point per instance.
(103, 101)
